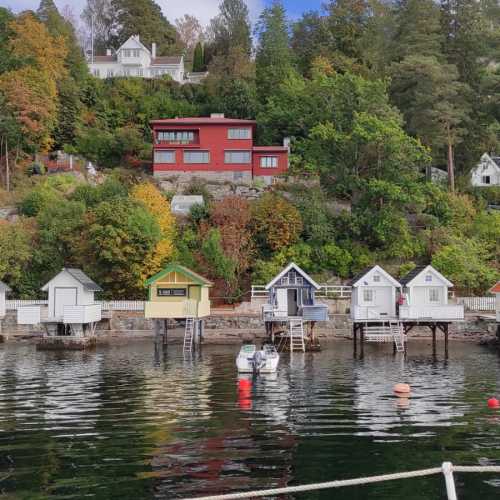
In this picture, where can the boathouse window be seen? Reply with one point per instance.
(164, 156)
(239, 133)
(428, 278)
(171, 292)
(237, 156)
(368, 295)
(486, 179)
(376, 278)
(268, 161)
(196, 157)
(433, 295)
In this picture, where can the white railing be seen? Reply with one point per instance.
(84, 314)
(447, 469)
(446, 312)
(477, 303)
(122, 305)
(334, 292)
(369, 313)
(13, 305)
(325, 292)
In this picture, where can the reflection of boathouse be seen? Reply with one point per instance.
(292, 302)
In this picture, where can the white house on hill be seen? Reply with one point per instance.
(487, 172)
(133, 58)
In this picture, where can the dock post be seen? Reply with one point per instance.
(165, 334)
(355, 338)
(362, 342)
(157, 331)
(433, 329)
(446, 340)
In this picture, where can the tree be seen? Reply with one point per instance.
(276, 223)
(144, 18)
(58, 26)
(190, 32)
(231, 28)
(118, 237)
(274, 59)
(100, 20)
(159, 207)
(6, 18)
(198, 58)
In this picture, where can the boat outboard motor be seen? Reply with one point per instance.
(259, 361)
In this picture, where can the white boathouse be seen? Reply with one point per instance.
(374, 295)
(496, 290)
(72, 309)
(425, 292)
(4, 289)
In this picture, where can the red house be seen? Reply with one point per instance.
(215, 148)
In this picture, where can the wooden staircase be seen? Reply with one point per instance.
(189, 332)
(296, 331)
(391, 332)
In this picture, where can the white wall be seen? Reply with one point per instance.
(2, 304)
(486, 167)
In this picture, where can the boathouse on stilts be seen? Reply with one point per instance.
(4, 289)
(292, 311)
(385, 310)
(72, 314)
(496, 291)
(177, 293)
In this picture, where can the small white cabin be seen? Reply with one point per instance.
(487, 172)
(4, 289)
(374, 295)
(292, 294)
(426, 296)
(181, 205)
(496, 291)
(71, 298)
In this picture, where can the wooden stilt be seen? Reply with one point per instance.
(157, 331)
(433, 329)
(165, 334)
(362, 342)
(446, 340)
(355, 338)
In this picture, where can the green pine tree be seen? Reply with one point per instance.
(198, 58)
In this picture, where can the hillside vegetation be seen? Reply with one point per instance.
(371, 92)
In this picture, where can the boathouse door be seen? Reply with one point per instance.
(281, 299)
(63, 297)
(293, 309)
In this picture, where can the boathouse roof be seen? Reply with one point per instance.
(4, 287)
(356, 280)
(80, 276)
(200, 280)
(417, 271)
(298, 270)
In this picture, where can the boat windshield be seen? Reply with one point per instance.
(248, 349)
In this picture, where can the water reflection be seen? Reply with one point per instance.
(135, 422)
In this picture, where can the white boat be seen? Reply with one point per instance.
(253, 360)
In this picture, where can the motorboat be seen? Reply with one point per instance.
(253, 360)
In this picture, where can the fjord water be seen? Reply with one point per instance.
(130, 422)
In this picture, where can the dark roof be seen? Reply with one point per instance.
(103, 59)
(4, 287)
(80, 276)
(166, 60)
(203, 120)
(358, 276)
(412, 274)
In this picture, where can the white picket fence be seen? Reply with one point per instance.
(477, 303)
(107, 305)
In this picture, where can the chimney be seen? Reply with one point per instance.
(153, 50)
(108, 52)
(286, 143)
(216, 115)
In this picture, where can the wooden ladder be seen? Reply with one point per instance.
(189, 334)
(296, 327)
(398, 335)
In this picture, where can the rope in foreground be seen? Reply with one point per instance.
(352, 482)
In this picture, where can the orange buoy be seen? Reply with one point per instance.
(493, 403)
(244, 384)
(402, 390)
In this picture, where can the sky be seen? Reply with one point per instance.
(204, 10)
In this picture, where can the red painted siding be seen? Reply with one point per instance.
(211, 135)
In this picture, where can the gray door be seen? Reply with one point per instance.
(292, 302)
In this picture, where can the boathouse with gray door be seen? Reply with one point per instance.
(374, 295)
(292, 294)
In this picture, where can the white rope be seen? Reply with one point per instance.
(347, 482)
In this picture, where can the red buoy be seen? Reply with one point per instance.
(493, 403)
(244, 384)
